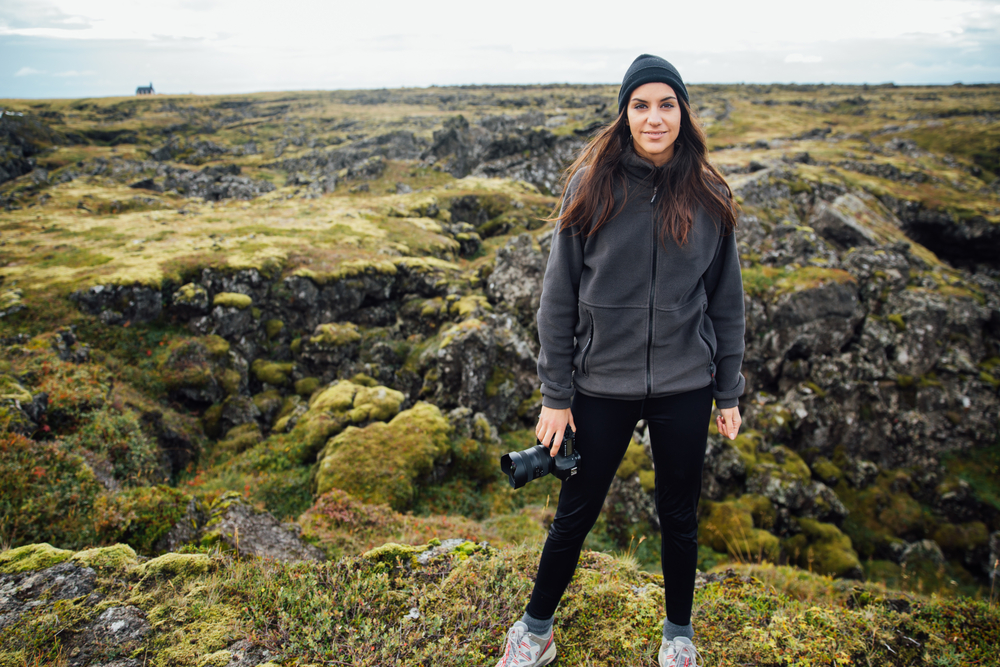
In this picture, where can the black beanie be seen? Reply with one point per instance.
(647, 69)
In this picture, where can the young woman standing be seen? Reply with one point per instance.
(641, 317)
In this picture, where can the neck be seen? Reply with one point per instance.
(659, 159)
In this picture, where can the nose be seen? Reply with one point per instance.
(654, 117)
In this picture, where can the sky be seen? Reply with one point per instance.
(90, 48)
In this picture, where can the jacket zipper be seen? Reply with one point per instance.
(652, 295)
(586, 348)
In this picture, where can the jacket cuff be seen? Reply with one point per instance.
(723, 403)
(555, 403)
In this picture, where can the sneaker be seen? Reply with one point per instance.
(678, 653)
(527, 650)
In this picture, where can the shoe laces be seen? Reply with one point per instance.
(685, 655)
(518, 650)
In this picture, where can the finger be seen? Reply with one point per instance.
(558, 441)
(572, 424)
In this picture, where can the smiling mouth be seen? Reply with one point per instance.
(655, 135)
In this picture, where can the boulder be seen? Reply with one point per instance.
(252, 532)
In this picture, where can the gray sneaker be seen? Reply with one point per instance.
(527, 650)
(678, 653)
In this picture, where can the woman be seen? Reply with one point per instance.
(641, 317)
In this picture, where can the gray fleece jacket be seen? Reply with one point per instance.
(622, 316)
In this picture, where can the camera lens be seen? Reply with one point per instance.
(522, 467)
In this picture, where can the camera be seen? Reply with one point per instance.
(535, 462)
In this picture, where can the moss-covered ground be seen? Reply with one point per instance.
(90, 475)
(384, 607)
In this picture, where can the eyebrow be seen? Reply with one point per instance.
(638, 99)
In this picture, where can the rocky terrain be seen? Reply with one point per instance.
(258, 337)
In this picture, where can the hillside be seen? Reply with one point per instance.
(301, 326)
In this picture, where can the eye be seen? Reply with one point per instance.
(639, 105)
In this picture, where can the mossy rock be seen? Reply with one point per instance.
(375, 403)
(272, 372)
(269, 402)
(211, 418)
(176, 567)
(272, 328)
(382, 463)
(335, 334)
(307, 386)
(827, 472)
(232, 300)
(217, 346)
(32, 557)
(636, 462)
(115, 557)
(393, 554)
(823, 549)
(230, 380)
(11, 390)
(961, 537)
(728, 527)
(241, 438)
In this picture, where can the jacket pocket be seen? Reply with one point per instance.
(584, 368)
(709, 341)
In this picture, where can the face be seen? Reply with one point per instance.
(654, 119)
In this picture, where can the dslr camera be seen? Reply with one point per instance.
(535, 462)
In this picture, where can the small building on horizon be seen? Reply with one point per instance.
(145, 90)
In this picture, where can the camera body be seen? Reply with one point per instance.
(534, 462)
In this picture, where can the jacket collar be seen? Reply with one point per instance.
(638, 169)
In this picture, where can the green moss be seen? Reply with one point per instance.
(272, 372)
(31, 557)
(307, 386)
(375, 403)
(825, 471)
(961, 537)
(381, 463)
(393, 554)
(897, 320)
(11, 390)
(272, 328)
(635, 460)
(211, 418)
(231, 381)
(822, 548)
(217, 346)
(501, 382)
(232, 300)
(364, 380)
(175, 567)
(269, 401)
(728, 527)
(115, 557)
(335, 334)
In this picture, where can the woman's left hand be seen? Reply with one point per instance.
(729, 422)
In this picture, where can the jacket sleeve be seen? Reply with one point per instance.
(558, 311)
(724, 287)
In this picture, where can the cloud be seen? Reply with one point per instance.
(73, 72)
(28, 71)
(802, 58)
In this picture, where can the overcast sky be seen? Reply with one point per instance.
(77, 48)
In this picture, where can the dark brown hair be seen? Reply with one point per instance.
(686, 182)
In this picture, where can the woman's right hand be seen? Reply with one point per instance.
(552, 427)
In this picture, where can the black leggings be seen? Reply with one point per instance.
(678, 430)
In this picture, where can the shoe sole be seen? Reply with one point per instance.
(548, 657)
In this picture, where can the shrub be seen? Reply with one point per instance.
(46, 495)
(139, 517)
(117, 438)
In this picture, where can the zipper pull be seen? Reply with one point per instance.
(654, 195)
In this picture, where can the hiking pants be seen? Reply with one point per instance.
(678, 433)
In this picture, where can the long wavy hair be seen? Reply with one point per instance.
(685, 183)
